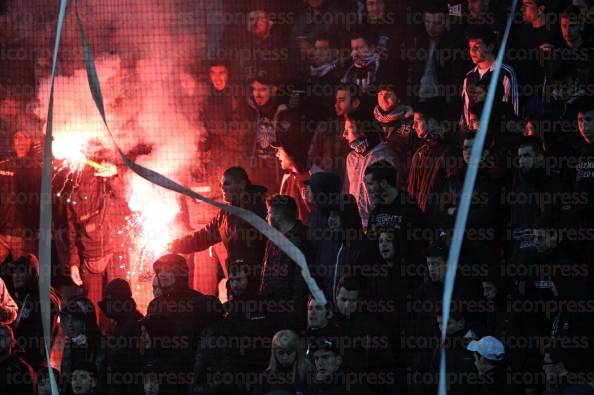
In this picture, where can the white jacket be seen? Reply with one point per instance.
(355, 171)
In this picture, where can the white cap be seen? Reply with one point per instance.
(489, 347)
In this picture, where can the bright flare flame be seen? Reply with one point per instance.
(155, 211)
(70, 148)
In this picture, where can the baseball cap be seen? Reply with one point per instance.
(489, 347)
(321, 343)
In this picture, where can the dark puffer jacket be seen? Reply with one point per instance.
(282, 281)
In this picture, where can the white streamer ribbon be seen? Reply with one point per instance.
(464, 207)
(45, 213)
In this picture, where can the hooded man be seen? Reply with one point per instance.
(179, 314)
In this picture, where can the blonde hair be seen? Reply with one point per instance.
(288, 340)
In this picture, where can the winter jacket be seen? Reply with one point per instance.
(355, 171)
(341, 251)
(281, 279)
(240, 239)
(180, 315)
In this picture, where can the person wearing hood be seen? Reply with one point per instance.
(20, 176)
(28, 328)
(8, 307)
(122, 358)
(292, 155)
(240, 239)
(367, 148)
(271, 120)
(179, 314)
(342, 245)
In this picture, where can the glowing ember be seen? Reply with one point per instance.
(152, 226)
